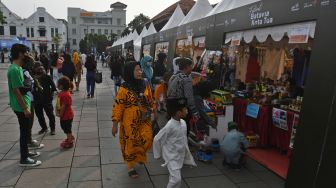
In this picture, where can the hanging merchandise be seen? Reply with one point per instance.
(253, 67)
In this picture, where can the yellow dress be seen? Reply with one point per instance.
(135, 134)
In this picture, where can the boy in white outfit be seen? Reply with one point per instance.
(171, 142)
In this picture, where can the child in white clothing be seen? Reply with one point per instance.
(171, 142)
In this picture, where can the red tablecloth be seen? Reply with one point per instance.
(270, 136)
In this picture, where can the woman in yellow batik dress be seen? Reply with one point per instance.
(132, 108)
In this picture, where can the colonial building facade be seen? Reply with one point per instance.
(82, 22)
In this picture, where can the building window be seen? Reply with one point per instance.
(2, 30)
(73, 20)
(74, 31)
(28, 32)
(111, 31)
(106, 31)
(103, 21)
(99, 31)
(56, 31)
(119, 21)
(111, 21)
(52, 32)
(85, 31)
(92, 31)
(12, 30)
(41, 19)
(88, 20)
(119, 32)
(32, 32)
(74, 42)
(42, 32)
(33, 46)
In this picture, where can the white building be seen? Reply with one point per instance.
(41, 28)
(14, 26)
(82, 22)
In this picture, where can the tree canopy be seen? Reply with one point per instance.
(90, 41)
(138, 22)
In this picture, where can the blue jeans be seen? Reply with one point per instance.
(90, 83)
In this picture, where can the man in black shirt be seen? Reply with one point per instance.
(43, 96)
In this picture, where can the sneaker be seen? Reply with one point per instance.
(88, 96)
(52, 132)
(30, 162)
(35, 145)
(42, 131)
(34, 155)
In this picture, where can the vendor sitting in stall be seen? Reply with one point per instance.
(233, 147)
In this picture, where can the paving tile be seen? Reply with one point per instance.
(271, 179)
(88, 124)
(85, 174)
(161, 181)
(242, 176)
(254, 166)
(202, 169)
(2, 156)
(79, 151)
(86, 161)
(109, 143)
(6, 146)
(55, 159)
(52, 145)
(88, 135)
(115, 175)
(9, 127)
(88, 129)
(10, 172)
(9, 136)
(111, 156)
(85, 184)
(156, 169)
(105, 132)
(89, 119)
(50, 177)
(210, 181)
(105, 124)
(13, 153)
(257, 184)
(87, 143)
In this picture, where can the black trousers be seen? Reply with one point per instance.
(66, 126)
(24, 131)
(31, 122)
(49, 110)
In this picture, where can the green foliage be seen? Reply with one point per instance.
(125, 32)
(138, 22)
(100, 42)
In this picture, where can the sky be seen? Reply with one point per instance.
(58, 8)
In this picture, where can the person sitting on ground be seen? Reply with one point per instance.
(44, 98)
(160, 93)
(234, 146)
(171, 142)
(64, 110)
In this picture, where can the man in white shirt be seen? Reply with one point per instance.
(83, 57)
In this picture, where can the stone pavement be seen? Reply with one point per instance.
(96, 160)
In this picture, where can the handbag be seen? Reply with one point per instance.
(98, 77)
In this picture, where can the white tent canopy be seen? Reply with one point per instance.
(175, 19)
(151, 30)
(226, 5)
(276, 32)
(137, 44)
(132, 36)
(198, 11)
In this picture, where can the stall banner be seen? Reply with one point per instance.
(280, 118)
(146, 49)
(295, 125)
(252, 110)
(298, 35)
(199, 42)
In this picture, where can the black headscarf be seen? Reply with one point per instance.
(131, 83)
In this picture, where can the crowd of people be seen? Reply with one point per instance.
(142, 90)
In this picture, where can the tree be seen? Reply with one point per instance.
(125, 32)
(138, 22)
(2, 18)
(112, 37)
(56, 40)
(90, 41)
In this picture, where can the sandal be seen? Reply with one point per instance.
(133, 174)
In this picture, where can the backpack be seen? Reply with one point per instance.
(27, 84)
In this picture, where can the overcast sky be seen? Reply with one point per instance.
(58, 8)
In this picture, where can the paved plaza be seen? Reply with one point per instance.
(96, 160)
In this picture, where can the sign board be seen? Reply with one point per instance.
(252, 110)
(298, 35)
(280, 118)
(86, 14)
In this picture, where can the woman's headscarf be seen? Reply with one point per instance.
(131, 83)
(146, 66)
(75, 58)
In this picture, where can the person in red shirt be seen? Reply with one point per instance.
(64, 110)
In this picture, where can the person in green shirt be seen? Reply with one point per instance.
(20, 101)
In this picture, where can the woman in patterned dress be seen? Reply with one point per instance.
(132, 108)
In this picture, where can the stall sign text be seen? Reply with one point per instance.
(260, 17)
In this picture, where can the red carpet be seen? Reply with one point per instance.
(271, 159)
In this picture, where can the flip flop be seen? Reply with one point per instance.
(133, 174)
